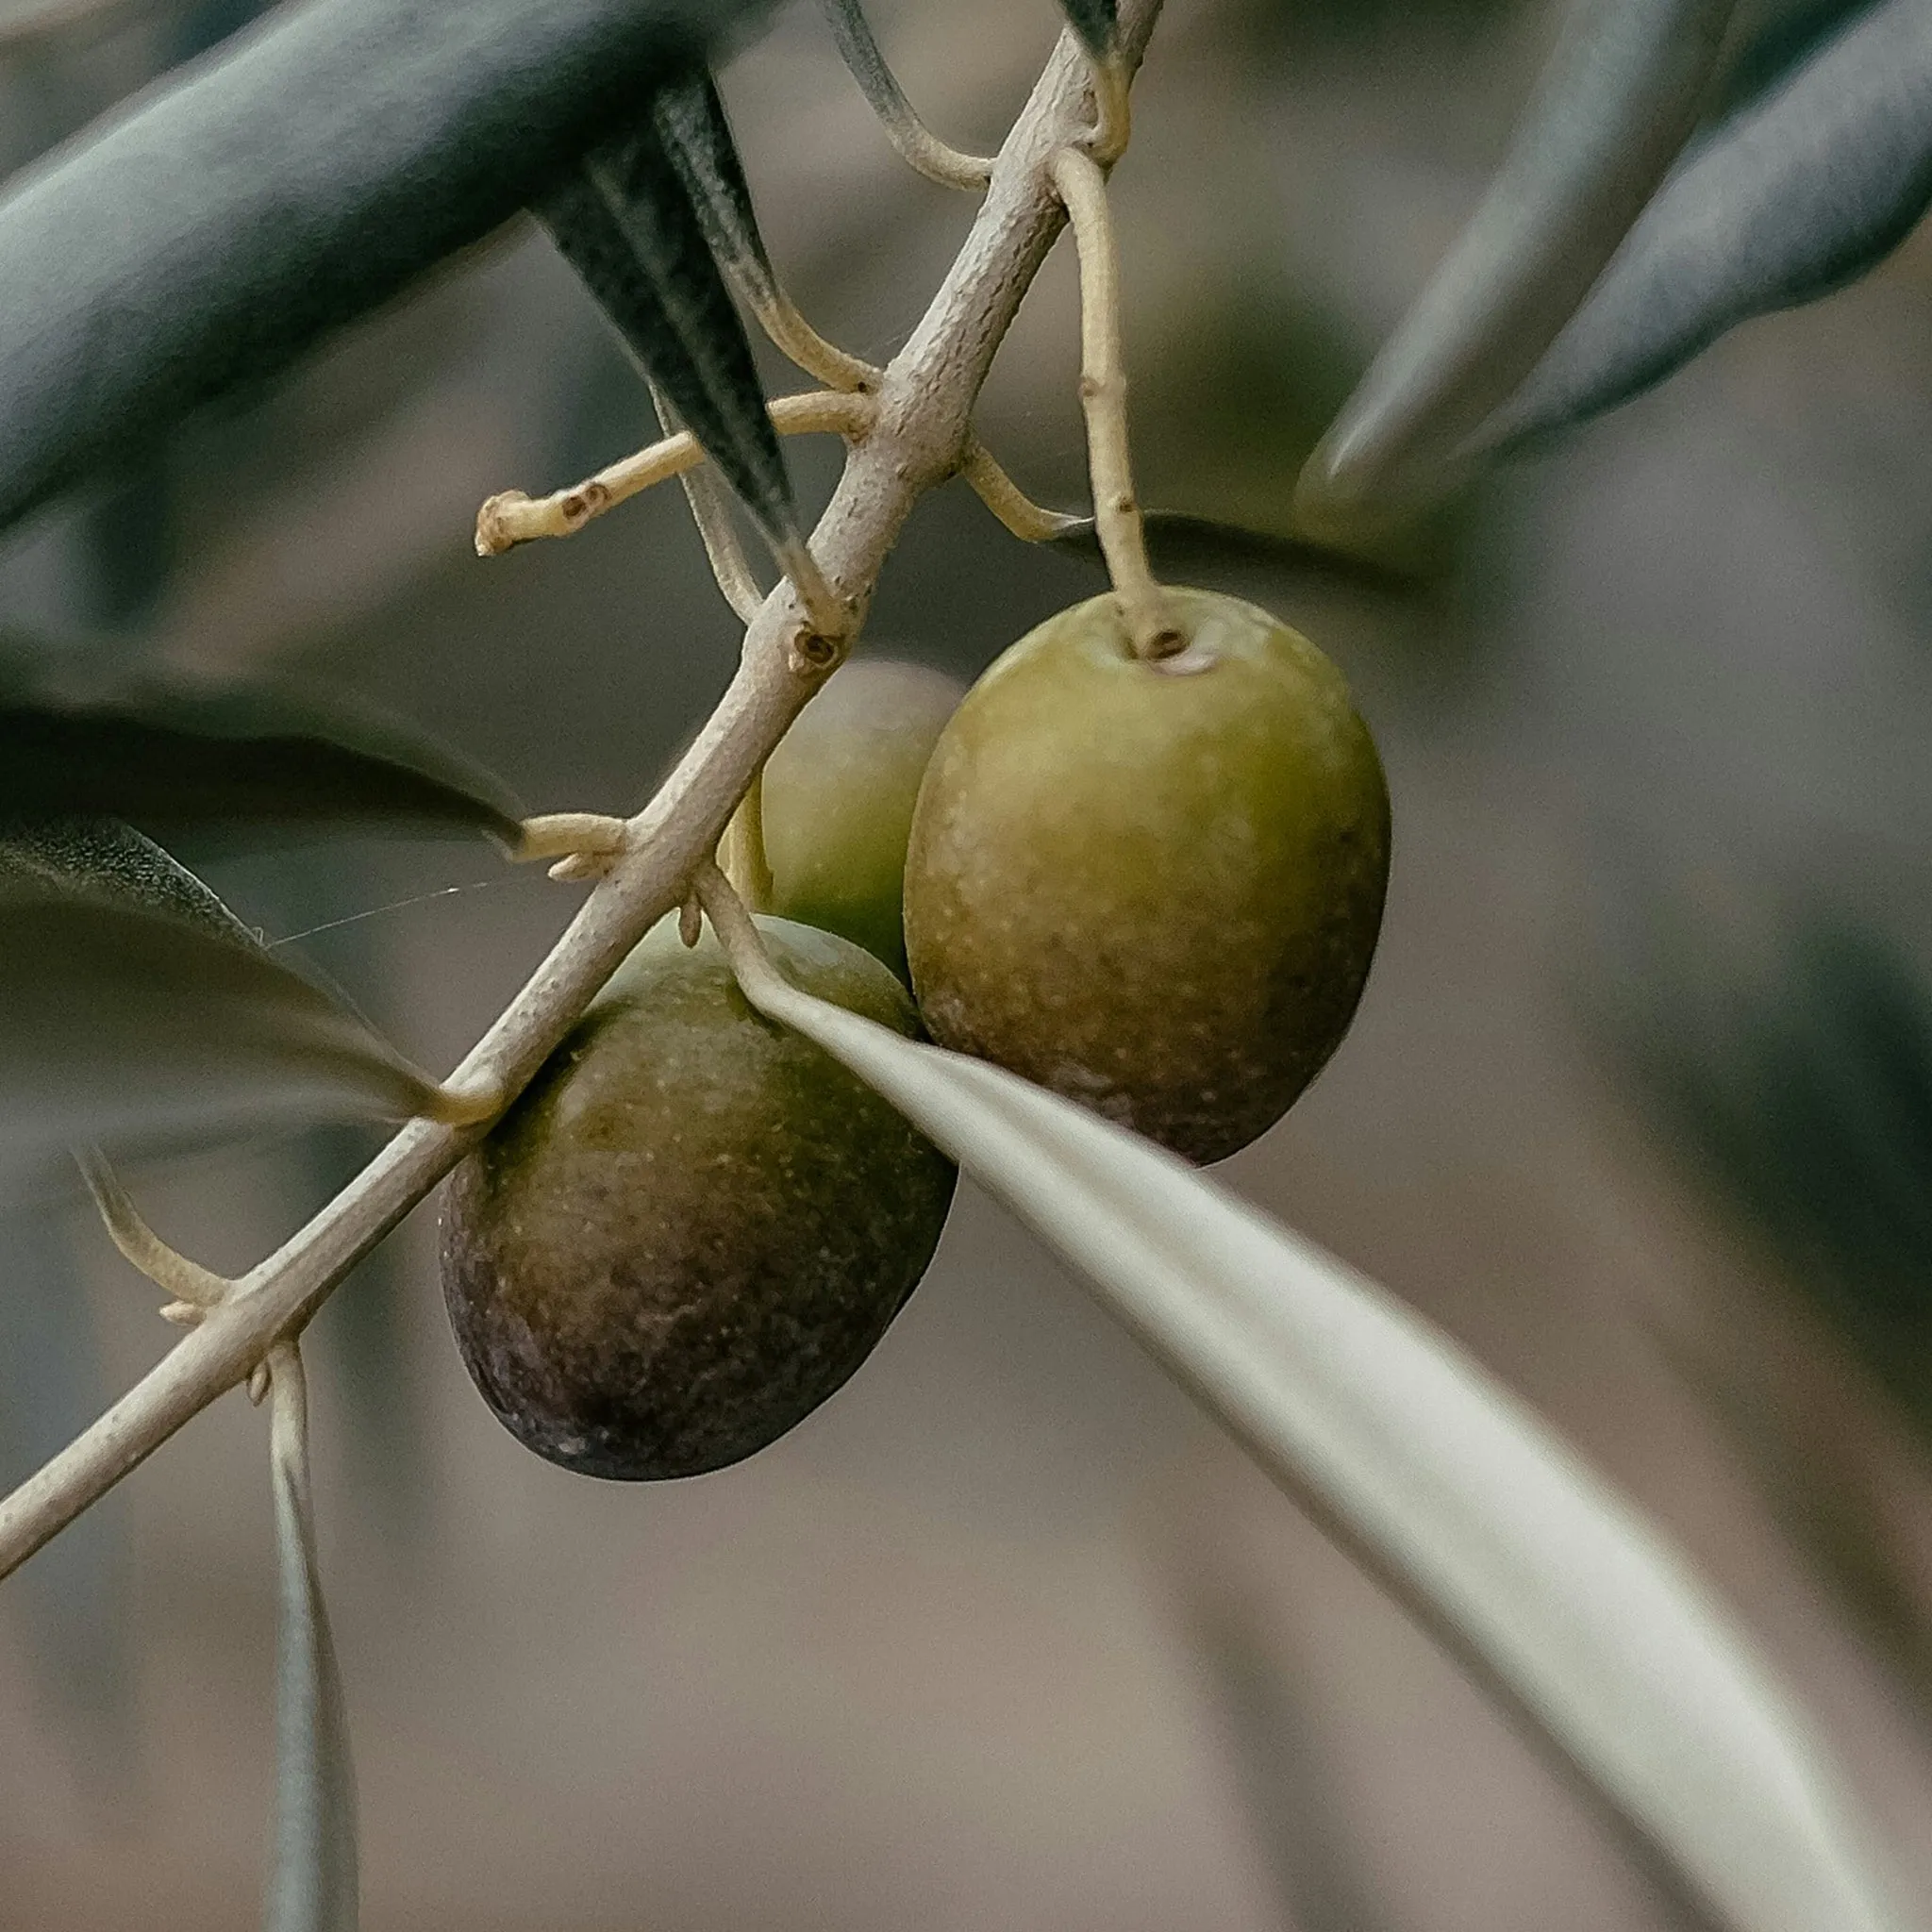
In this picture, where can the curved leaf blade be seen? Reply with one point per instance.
(1452, 1489)
(313, 1878)
(288, 182)
(108, 860)
(1796, 193)
(1614, 106)
(628, 226)
(118, 1022)
(697, 136)
(239, 760)
(1178, 544)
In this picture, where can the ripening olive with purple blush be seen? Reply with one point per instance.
(694, 1225)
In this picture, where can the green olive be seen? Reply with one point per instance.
(839, 793)
(694, 1225)
(1153, 885)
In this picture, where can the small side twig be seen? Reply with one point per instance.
(1104, 395)
(793, 337)
(511, 518)
(1032, 523)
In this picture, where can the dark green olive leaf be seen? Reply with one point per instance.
(104, 858)
(122, 1025)
(292, 179)
(238, 760)
(1796, 193)
(1179, 545)
(313, 1875)
(1803, 1088)
(1613, 107)
(690, 118)
(1096, 22)
(627, 224)
(1788, 33)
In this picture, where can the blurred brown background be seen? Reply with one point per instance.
(1638, 1105)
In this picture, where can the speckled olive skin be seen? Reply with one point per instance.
(839, 793)
(1152, 886)
(695, 1226)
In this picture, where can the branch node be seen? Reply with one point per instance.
(586, 845)
(468, 1100)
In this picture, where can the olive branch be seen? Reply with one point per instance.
(907, 432)
(1557, 1593)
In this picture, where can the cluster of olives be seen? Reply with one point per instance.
(1151, 883)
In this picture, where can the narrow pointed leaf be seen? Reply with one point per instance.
(1462, 1498)
(104, 858)
(691, 120)
(314, 1877)
(627, 225)
(1613, 107)
(1799, 192)
(1179, 545)
(1287, 1775)
(236, 762)
(290, 181)
(1096, 22)
(119, 1023)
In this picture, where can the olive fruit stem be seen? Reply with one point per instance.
(512, 517)
(752, 965)
(1032, 523)
(914, 442)
(795, 338)
(744, 861)
(1082, 187)
(916, 144)
(1114, 111)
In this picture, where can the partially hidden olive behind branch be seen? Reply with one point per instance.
(838, 794)
(1153, 884)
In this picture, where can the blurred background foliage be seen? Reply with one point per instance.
(1639, 1103)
